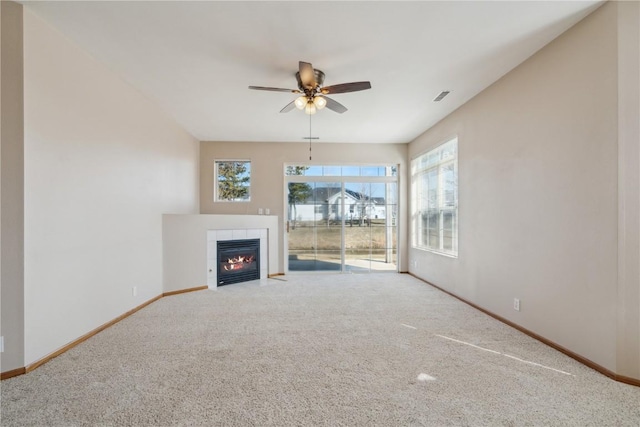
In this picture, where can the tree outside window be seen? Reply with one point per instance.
(299, 192)
(233, 180)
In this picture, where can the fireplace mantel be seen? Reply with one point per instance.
(185, 245)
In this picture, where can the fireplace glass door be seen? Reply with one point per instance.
(238, 261)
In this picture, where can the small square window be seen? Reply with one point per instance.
(233, 180)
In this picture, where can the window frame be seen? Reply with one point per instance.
(425, 205)
(216, 181)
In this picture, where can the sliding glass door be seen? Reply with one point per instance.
(341, 218)
(370, 226)
(315, 230)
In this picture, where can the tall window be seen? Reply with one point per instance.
(434, 182)
(233, 179)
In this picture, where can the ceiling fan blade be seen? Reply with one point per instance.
(335, 105)
(290, 106)
(307, 76)
(274, 89)
(346, 87)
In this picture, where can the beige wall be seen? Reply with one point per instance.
(267, 175)
(538, 184)
(102, 164)
(628, 361)
(12, 187)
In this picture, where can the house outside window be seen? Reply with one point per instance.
(232, 181)
(434, 181)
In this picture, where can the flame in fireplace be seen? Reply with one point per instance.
(238, 263)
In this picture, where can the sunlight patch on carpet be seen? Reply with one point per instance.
(425, 377)
(506, 355)
(537, 364)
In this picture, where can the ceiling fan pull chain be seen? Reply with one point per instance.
(309, 136)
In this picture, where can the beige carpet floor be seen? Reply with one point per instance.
(315, 350)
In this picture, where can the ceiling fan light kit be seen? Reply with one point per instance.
(301, 102)
(310, 105)
(313, 96)
(320, 102)
(310, 108)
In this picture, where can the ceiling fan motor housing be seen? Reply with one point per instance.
(319, 76)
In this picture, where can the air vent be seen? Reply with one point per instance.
(441, 95)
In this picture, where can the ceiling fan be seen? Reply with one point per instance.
(313, 94)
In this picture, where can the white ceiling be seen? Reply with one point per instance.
(196, 59)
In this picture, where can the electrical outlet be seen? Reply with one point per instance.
(267, 211)
(260, 211)
(1, 344)
(134, 291)
(516, 304)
